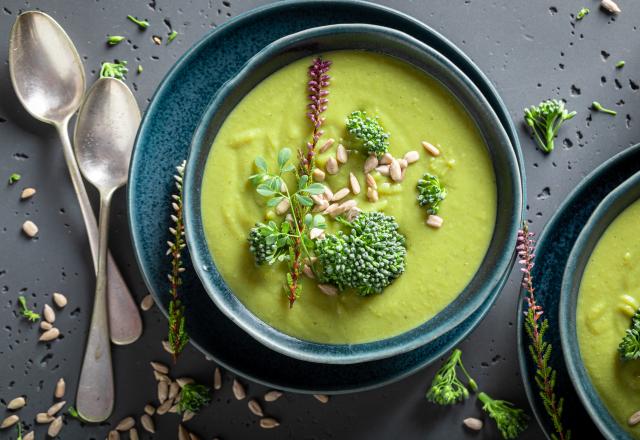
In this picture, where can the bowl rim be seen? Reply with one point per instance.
(343, 353)
(607, 211)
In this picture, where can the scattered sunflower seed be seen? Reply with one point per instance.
(318, 175)
(157, 39)
(272, 396)
(43, 418)
(147, 302)
(634, 419)
(133, 434)
(341, 154)
(255, 408)
(44, 325)
(183, 434)
(182, 381)
(322, 398)
(386, 159)
(327, 145)
(31, 435)
(113, 435)
(49, 314)
(55, 427)
(411, 156)
(49, 335)
(59, 299)
(395, 171)
(332, 166)
(431, 149)
(126, 424)
(328, 289)
(268, 423)
(610, 6)
(163, 391)
(27, 193)
(473, 423)
(167, 347)
(147, 423)
(164, 407)
(370, 164)
(55, 408)
(353, 182)
(340, 194)
(174, 390)
(217, 379)
(188, 415)
(435, 221)
(9, 421)
(149, 409)
(61, 387)
(159, 367)
(30, 228)
(16, 403)
(238, 390)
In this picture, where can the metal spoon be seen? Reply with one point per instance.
(48, 77)
(105, 132)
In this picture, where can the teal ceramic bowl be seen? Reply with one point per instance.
(608, 210)
(497, 261)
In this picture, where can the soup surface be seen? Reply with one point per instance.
(412, 107)
(609, 294)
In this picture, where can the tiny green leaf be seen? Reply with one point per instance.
(116, 70)
(319, 221)
(112, 40)
(315, 189)
(142, 24)
(304, 200)
(620, 64)
(302, 182)
(264, 190)
(582, 13)
(308, 218)
(172, 36)
(283, 157)
(274, 201)
(13, 178)
(140, 69)
(261, 164)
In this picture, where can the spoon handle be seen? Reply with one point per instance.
(96, 393)
(125, 321)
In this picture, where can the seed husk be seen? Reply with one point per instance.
(31, 435)
(355, 185)
(634, 419)
(50, 335)
(55, 427)
(341, 154)
(126, 424)
(182, 381)
(174, 390)
(283, 206)
(149, 409)
(371, 182)
(383, 169)
(255, 408)
(44, 325)
(147, 302)
(183, 434)
(269, 423)
(61, 387)
(272, 396)
(610, 6)
(9, 421)
(49, 314)
(341, 194)
(411, 156)
(59, 299)
(55, 408)
(238, 390)
(133, 434)
(431, 149)
(370, 164)
(395, 171)
(473, 423)
(327, 145)
(43, 418)
(113, 435)
(322, 398)
(318, 175)
(328, 289)
(159, 367)
(163, 391)
(16, 403)
(188, 415)
(217, 379)
(27, 193)
(147, 423)
(386, 159)
(30, 228)
(332, 166)
(435, 221)
(164, 407)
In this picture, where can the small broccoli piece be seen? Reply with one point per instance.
(431, 193)
(368, 133)
(629, 347)
(545, 120)
(116, 70)
(368, 258)
(193, 397)
(511, 421)
(446, 388)
(269, 243)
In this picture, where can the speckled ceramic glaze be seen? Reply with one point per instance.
(387, 41)
(608, 210)
(163, 141)
(552, 253)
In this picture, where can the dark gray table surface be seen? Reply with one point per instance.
(530, 50)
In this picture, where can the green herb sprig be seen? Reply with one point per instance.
(629, 347)
(113, 40)
(142, 24)
(193, 397)
(116, 70)
(25, 311)
(599, 108)
(545, 120)
(14, 177)
(539, 349)
(178, 336)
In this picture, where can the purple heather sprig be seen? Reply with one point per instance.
(317, 86)
(539, 349)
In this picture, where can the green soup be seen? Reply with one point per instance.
(609, 294)
(412, 107)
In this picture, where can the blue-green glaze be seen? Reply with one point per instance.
(554, 245)
(497, 260)
(163, 141)
(606, 212)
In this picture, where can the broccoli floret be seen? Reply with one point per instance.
(269, 242)
(368, 133)
(368, 258)
(431, 193)
(629, 347)
(545, 121)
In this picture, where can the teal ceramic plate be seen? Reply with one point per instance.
(363, 37)
(554, 246)
(611, 207)
(163, 141)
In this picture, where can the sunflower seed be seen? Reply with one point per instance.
(55, 427)
(340, 194)
(634, 419)
(43, 418)
(383, 169)
(272, 396)
(164, 407)
(161, 377)
(431, 149)
(322, 398)
(327, 145)
(372, 195)
(49, 314)
(55, 408)
(30, 228)
(238, 390)
(174, 390)
(163, 391)
(29, 436)
(9, 421)
(371, 182)
(183, 434)
(61, 387)
(306, 270)
(188, 415)
(268, 423)
(435, 221)
(50, 335)
(347, 206)
(255, 408)
(147, 423)
(353, 213)
(411, 156)
(332, 166)
(386, 159)
(370, 164)
(159, 367)
(328, 194)
(395, 171)
(217, 379)
(44, 325)
(174, 409)
(167, 347)
(27, 193)
(318, 175)
(149, 409)
(59, 299)
(331, 209)
(113, 435)
(147, 302)
(321, 207)
(182, 381)
(283, 206)
(341, 154)
(126, 424)
(403, 164)
(473, 423)
(328, 289)
(133, 434)
(355, 185)
(16, 403)
(610, 6)
(157, 40)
